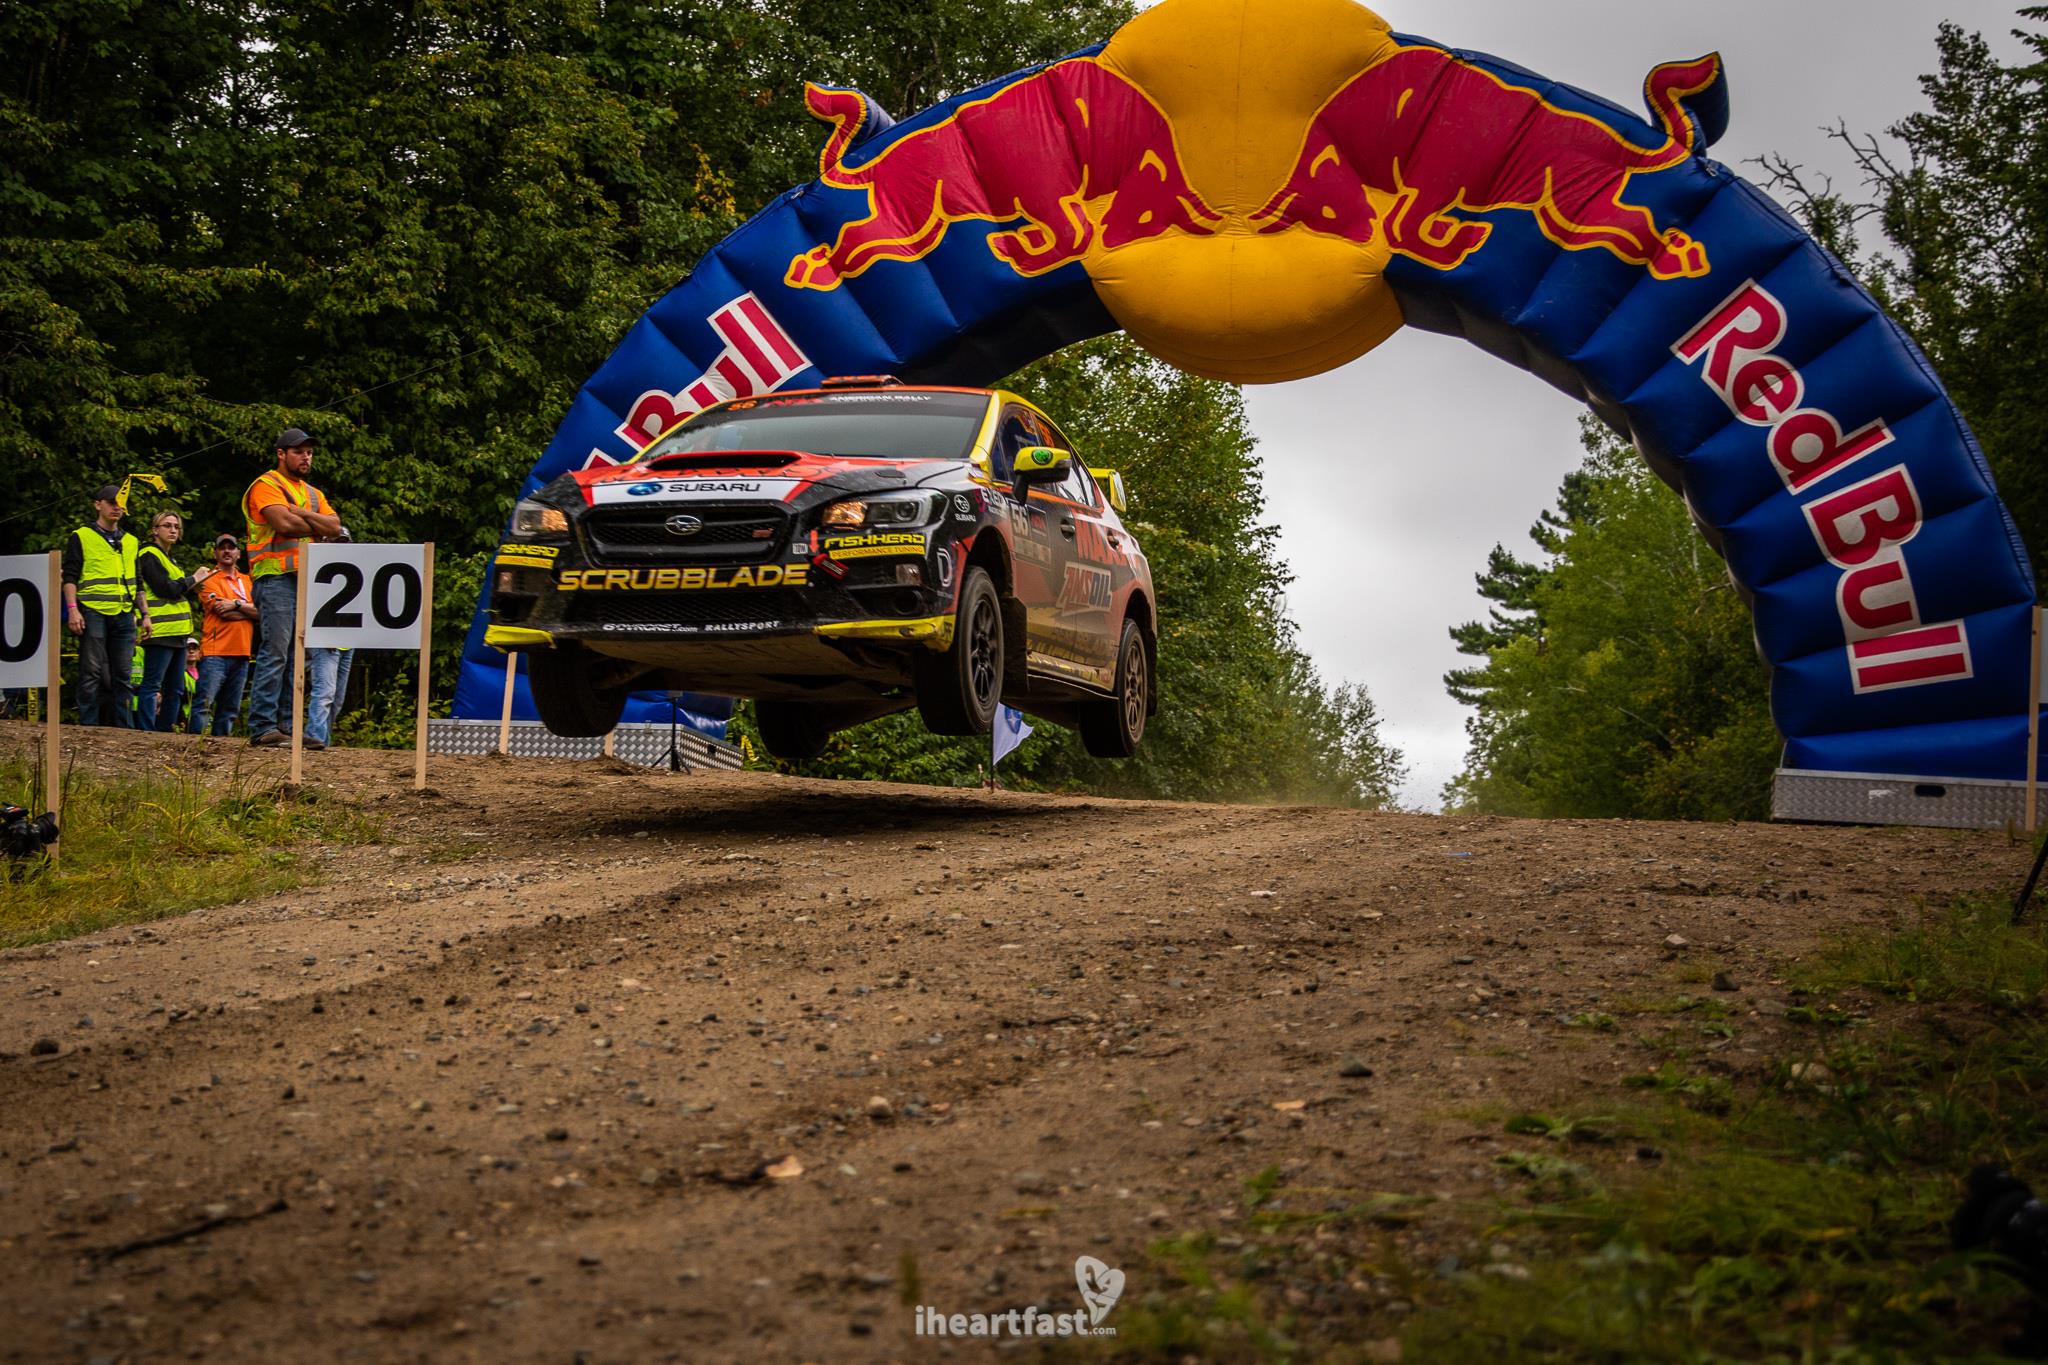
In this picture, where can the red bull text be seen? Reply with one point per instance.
(1862, 529)
(759, 357)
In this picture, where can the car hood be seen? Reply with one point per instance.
(794, 478)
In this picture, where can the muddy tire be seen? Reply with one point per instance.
(793, 731)
(958, 691)
(565, 692)
(1112, 727)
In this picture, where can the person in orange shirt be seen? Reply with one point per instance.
(229, 605)
(282, 511)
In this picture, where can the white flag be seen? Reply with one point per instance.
(1011, 729)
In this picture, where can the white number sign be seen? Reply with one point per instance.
(24, 621)
(365, 596)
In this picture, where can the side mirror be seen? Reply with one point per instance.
(1112, 484)
(1043, 464)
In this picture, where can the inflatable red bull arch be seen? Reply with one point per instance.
(1255, 204)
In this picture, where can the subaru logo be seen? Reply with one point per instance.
(643, 490)
(683, 524)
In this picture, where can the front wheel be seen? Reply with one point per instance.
(567, 695)
(957, 691)
(1111, 727)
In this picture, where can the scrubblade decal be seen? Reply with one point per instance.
(684, 580)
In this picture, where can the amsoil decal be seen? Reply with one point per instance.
(1085, 589)
(684, 580)
(1863, 528)
(759, 357)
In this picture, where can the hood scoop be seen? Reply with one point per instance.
(721, 460)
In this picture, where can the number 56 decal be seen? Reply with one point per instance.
(365, 596)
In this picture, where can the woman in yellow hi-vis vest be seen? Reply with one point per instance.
(281, 510)
(102, 596)
(160, 695)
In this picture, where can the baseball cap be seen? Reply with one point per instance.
(292, 437)
(226, 538)
(108, 493)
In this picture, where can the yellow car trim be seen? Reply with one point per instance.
(523, 562)
(935, 632)
(509, 638)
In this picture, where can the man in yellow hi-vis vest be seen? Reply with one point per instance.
(102, 597)
(282, 511)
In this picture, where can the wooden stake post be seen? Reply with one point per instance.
(2034, 724)
(296, 684)
(505, 711)
(419, 763)
(53, 774)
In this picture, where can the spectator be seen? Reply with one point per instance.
(161, 693)
(281, 510)
(102, 598)
(229, 621)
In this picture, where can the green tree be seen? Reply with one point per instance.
(1626, 683)
(1959, 204)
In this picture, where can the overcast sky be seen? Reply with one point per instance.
(1391, 478)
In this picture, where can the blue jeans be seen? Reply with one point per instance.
(106, 655)
(271, 686)
(163, 686)
(220, 681)
(327, 680)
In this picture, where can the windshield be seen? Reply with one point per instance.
(889, 426)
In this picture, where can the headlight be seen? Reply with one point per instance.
(898, 511)
(532, 518)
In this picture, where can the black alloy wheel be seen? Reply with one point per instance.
(958, 690)
(1112, 727)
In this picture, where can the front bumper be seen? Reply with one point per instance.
(743, 574)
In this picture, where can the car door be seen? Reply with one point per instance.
(1036, 557)
(1097, 572)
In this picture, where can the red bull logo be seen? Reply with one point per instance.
(1412, 144)
(1114, 178)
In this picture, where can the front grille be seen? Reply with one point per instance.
(729, 533)
(603, 609)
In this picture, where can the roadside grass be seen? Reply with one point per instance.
(1798, 1215)
(161, 842)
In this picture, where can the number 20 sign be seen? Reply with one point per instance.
(24, 620)
(365, 596)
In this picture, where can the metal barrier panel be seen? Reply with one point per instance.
(643, 745)
(1891, 799)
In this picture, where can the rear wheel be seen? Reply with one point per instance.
(1111, 727)
(566, 692)
(792, 730)
(957, 691)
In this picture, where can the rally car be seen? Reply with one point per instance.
(838, 554)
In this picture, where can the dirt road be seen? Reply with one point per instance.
(535, 1077)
